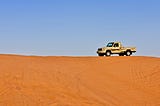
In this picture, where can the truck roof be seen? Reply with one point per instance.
(115, 42)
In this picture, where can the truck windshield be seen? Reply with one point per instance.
(110, 44)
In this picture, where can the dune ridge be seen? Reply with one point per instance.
(79, 81)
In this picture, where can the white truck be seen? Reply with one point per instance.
(115, 48)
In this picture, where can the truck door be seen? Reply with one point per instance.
(116, 48)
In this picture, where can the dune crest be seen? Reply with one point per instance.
(79, 81)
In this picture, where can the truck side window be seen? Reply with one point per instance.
(116, 45)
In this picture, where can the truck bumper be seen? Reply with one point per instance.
(133, 51)
(100, 52)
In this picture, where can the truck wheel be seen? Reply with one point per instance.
(108, 53)
(128, 53)
(100, 55)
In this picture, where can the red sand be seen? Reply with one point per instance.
(79, 81)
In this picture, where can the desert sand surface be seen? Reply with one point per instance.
(79, 81)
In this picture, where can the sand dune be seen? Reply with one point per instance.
(79, 81)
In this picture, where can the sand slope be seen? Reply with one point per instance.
(79, 81)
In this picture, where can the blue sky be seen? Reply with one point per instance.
(78, 27)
